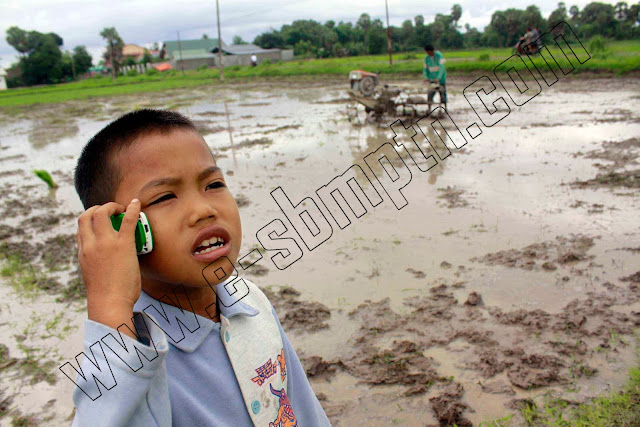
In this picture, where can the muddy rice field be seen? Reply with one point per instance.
(511, 275)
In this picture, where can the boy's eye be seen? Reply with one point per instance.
(162, 199)
(216, 184)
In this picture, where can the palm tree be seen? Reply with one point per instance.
(621, 11)
(574, 12)
(114, 48)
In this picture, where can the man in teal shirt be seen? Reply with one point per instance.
(435, 72)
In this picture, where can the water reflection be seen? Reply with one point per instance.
(363, 141)
(233, 148)
(45, 131)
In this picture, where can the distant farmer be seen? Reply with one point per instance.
(254, 60)
(530, 43)
(435, 73)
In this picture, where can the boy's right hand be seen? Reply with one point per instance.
(109, 263)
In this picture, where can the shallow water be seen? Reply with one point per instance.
(514, 182)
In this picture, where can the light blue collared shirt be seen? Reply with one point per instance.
(190, 382)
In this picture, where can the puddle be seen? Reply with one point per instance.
(534, 223)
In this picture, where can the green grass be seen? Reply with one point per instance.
(22, 275)
(616, 409)
(621, 57)
(619, 408)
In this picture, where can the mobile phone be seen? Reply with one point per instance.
(144, 238)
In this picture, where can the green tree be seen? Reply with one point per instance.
(557, 16)
(113, 52)
(67, 66)
(376, 38)
(19, 40)
(456, 13)
(82, 60)
(633, 14)
(574, 11)
(471, 37)
(146, 57)
(366, 35)
(363, 24)
(56, 38)
(41, 59)
(270, 40)
(621, 9)
(238, 40)
(597, 18)
(44, 62)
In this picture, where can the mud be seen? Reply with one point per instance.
(318, 368)
(295, 314)
(453, 197)
(634, 278)
(241, 200)
(629, 179)
(282, 128)
(615, 173)
(206, 127)
(250, 143)
(543, 256)
(449, 408)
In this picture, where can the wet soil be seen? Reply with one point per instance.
(295, 314)
(511, 273)
(453, 197)
(543, 256)
(621, 167)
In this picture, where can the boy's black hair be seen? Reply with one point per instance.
(97, 176)
(428, 47)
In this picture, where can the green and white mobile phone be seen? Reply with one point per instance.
(144, 238)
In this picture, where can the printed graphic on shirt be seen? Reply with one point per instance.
(270, 368)
(286, 417)
(283, 366)
(265, 372)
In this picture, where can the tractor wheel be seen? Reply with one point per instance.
(367, 86)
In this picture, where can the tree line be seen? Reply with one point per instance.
(42, 61)
(368, 36)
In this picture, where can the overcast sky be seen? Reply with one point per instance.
(79, 22)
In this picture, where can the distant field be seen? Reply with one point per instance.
(620, 58)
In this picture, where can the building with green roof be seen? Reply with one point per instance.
(190, 54)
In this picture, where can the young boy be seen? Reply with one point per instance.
(210, 358)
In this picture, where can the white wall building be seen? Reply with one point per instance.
(3, 80)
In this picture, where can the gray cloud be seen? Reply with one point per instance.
(146, 21)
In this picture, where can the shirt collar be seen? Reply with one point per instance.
(192, 340)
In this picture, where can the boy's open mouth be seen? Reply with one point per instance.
(211, 243)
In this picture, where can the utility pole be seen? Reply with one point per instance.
(219, 43)
(390, 46)
(180, 50)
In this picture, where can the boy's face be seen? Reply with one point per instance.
(186, 200)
